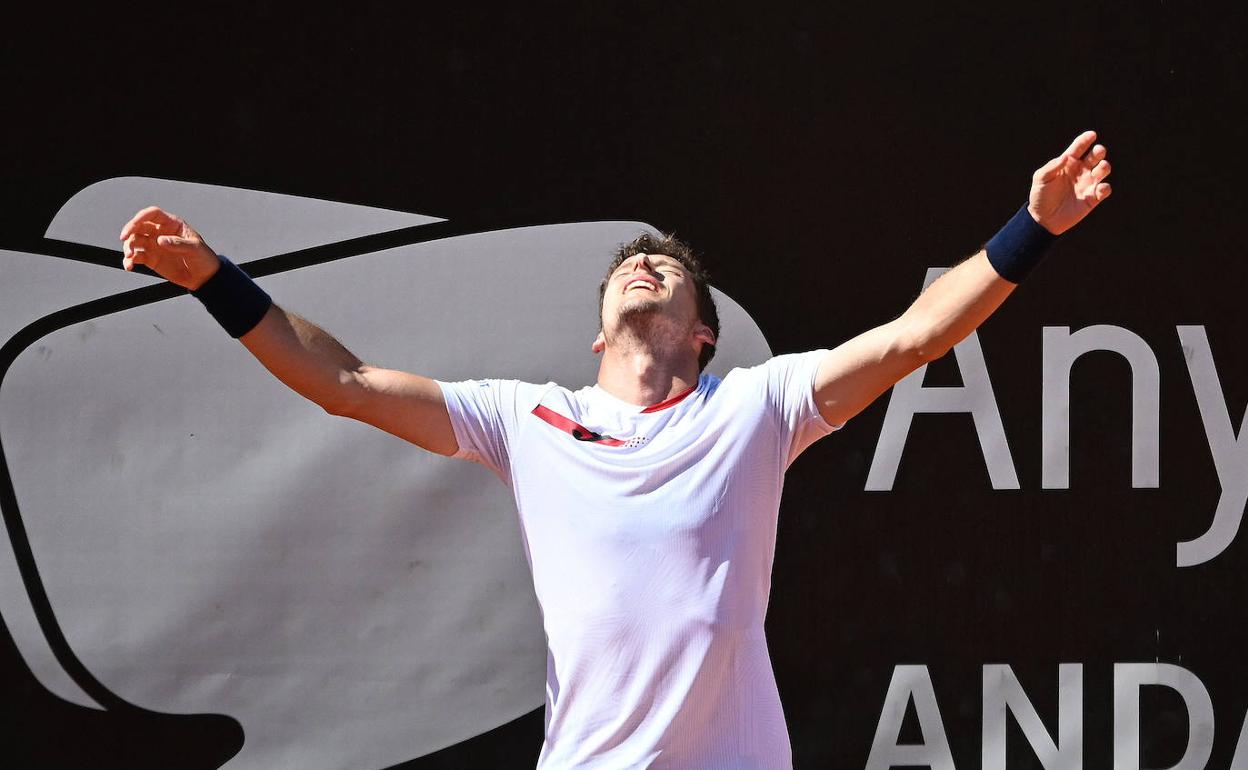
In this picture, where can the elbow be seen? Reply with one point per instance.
(344, 400)
(930, 351)
(920, 342)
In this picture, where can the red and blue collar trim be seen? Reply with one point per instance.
(673, 401)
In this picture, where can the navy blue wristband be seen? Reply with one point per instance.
(1019, 246)
(232, 298)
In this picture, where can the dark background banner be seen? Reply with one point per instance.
(821, 159)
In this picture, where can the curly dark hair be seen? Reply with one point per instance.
(680, 251)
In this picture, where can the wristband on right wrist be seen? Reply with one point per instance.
(232, 298)
(1019, 246)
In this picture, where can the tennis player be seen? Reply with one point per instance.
(647, 501)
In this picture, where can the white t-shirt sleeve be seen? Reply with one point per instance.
(790, 391)
(483, 414)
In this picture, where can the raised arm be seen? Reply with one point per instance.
(1063, 191)
(297, 352)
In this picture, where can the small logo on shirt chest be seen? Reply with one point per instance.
(580, 432)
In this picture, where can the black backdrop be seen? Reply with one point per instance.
(821, 158)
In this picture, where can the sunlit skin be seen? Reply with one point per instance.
(651, 334)
(1063, 192)
(649, 344)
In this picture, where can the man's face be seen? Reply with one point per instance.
(648, 292)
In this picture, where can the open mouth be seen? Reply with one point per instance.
(642, 284)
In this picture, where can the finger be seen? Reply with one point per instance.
(142, 250)
(153, 260)
(154, 215)
(1102, 191)
(146, 228)
(131, 265)
(1095, 155)
(157, 215)
(173, 242)
(131, 252)
(128, 227)
(1081, 144)
(129, 246)
(136, 251)
(1049, 171)
(1101, 171)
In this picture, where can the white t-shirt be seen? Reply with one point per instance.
(651, 551)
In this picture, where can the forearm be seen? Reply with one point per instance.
(1063, 191)
(305, 358)
(954, 306)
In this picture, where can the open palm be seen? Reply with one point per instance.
(1066, 188)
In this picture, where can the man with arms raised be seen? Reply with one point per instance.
(648, 501)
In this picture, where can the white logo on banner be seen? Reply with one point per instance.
(1003, 694)
(210, 541)
(1061, 349)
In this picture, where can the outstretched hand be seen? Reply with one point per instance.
(169, 247)
(1066, 188)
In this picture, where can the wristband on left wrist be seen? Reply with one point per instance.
(1018, 246)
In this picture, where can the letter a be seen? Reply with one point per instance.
(910, 682)
(974, 396)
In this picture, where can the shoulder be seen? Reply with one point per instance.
(785, 381)
(777, 368)
(505, 395)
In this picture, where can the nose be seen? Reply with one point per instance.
(642, 262)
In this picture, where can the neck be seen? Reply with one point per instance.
(646, 376)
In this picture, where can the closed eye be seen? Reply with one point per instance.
(663, 268)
